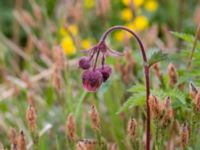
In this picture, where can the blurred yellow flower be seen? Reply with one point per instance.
(126, 14)
(63, 31)
(141, 23)
(68, 46)
(137, 3)
(89, 3)
(151, 5)
(73, 29)
(86, 44)
(131, 25)
(119, 36)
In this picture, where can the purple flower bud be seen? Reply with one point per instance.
(106, 72)
(92, 80)
(84, 63)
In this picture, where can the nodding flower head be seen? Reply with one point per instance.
(84, 63)
(93, 76)
(106, 72)
(92, 80)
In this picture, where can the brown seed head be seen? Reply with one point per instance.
(31, 99)
(28, 18)
(81, 146)
(89, 144)
(13, 139)
(156, 106)
(94, 117)
(157, 71)
(71, 127)
(21, 143)
(59, 57)
(2, 146)
(31, 117)
(184, 135)
(173, 76)
(131, 129)
(193, 91)
(113, 146)
(168, 115)
(57, 79)
(197, 102)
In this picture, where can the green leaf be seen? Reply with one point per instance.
(156, 57)
(186, 37)
(136, 100)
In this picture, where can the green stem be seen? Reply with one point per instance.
(35, 138)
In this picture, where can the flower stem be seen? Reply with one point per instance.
(146, 72)
(193, 48)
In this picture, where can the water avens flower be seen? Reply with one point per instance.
(106, 72)
(93, 77)
(84, 63)
(92, 80)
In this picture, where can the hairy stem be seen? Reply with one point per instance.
(146, 72)
(193, 48)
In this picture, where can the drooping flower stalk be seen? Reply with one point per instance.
(93, 78)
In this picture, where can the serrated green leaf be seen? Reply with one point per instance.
(186, 37)
(136, 100)
(156, 57)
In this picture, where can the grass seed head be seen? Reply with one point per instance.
(131, 129)
(197, 102)
(113, 146)
(21, 143)
(81, 146)
(193, 91)
(157, 71)
(71, 127)
(168, 115)
(184, 135)
(13, 139)
(94, 117)
(173, 75)
(31, 117)
(156, 106)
